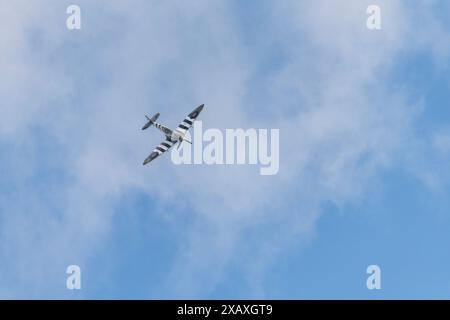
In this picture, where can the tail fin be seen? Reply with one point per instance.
(150, 121)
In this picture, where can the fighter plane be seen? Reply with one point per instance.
(172, 136)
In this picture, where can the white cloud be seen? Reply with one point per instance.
(346, 124)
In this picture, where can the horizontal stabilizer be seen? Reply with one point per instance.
(150, 121)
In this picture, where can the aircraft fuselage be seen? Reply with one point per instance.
(171, 135)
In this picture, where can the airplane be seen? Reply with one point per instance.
(172, 136)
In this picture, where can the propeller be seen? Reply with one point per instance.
(180, 140)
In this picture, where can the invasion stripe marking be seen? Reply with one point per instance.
(166, 145)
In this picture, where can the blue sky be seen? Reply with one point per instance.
(364, 150)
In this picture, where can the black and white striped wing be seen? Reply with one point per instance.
(187, 123)
(159, 150)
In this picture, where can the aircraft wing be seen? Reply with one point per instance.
(159, 150)
(187, 123)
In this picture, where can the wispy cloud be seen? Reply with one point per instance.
(73, 102)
